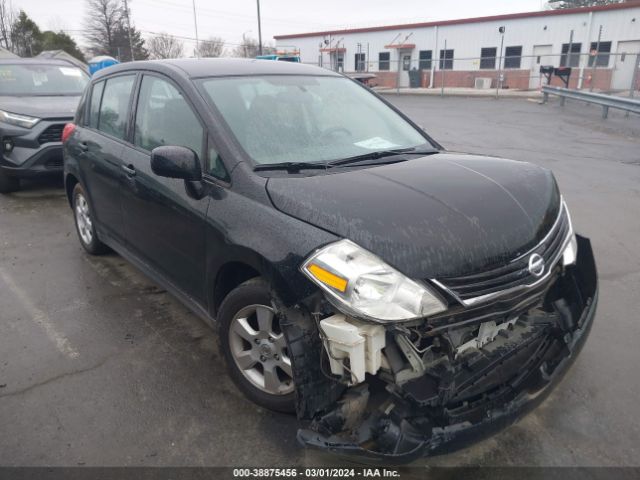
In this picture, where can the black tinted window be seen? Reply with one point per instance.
(94, 109)
(165, 118)
(384, 60)
(512, 56)
(115, 104)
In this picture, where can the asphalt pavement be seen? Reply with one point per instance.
(100, 367)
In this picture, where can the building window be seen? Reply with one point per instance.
(574, 56)
(406, 62)
(360, 62)
(488, 58)
(512, 57)
(384, 60)
(446, 59)
(425, 60)
(602, 54)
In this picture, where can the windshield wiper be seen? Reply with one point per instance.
(380, 154)
(291, 167)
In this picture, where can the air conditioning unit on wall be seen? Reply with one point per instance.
(483, 82)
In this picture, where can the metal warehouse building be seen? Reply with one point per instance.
(601, 44)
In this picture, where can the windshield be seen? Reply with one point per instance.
(30, 79)
(307, 119)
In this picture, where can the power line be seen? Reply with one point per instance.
(221, 13)
(151, 32)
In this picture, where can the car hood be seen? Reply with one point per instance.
(435, 216)
(41, 106)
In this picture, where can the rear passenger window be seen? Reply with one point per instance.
(165, 118)
(94, 108)
(115, 104)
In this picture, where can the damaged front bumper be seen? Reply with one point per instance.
(450, 393)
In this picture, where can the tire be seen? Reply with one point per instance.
(255, 348)
(85, 227)
(8, 184)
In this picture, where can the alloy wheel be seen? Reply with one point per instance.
(83, 219)
(259, 349)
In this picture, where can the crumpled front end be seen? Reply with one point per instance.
(394, 393)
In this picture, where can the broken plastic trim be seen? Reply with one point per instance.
(396, 438)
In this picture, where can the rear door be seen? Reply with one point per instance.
(164, 226)
(102, 143)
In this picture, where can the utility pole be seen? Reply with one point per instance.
(126, 11)
(259, 29)
(195, 24)
(499, 77)
(567, 61)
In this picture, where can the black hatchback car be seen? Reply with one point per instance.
(399, 298)
(37, 98)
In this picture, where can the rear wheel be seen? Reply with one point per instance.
(84, 223)
(255, 348)
(8, 184)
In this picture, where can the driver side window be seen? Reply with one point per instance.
(164, 117)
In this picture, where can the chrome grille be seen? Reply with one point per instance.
(473, 288)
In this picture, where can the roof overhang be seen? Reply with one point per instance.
(401, 46)
(509, 16)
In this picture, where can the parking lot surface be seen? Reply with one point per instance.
(98, 366)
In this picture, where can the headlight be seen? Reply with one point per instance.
(366, 287)
(19, 120)
(570, 253)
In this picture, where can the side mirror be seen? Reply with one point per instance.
(176, 162)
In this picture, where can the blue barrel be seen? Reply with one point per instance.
(98, 63)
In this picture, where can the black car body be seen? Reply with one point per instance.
(37, 98)
(416, 298)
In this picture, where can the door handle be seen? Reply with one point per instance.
(83, 146)
(129, 170)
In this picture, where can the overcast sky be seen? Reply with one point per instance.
(230, 19)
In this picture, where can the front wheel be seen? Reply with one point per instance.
(85, 226)
(255, 347)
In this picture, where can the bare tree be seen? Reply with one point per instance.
(213, 47)
(7, 19)
(248, 48)
(102, 19)
(165, 46)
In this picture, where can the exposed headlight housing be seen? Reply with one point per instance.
(364, 286)
(24, 121)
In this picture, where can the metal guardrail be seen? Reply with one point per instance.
(606, 101)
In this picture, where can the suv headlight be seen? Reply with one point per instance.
(570, 253)
(24, 121)
(364, 286)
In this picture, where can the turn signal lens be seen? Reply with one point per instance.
(328, 278)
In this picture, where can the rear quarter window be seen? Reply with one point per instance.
(94, 105)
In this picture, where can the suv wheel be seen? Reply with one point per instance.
(84, 223)
(8, 184)
(255, 348)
